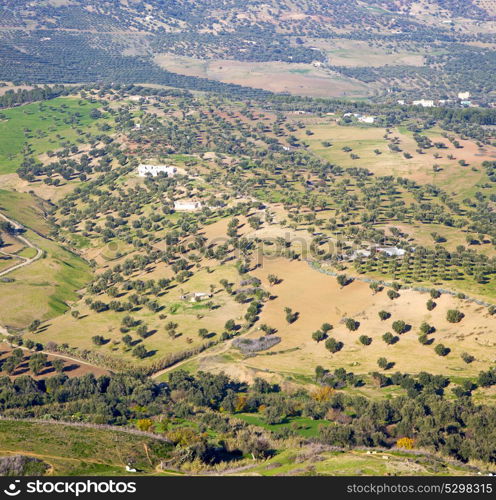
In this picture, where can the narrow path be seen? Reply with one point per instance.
(26, 261)
(50, 353)
(208, 352)
(87, 425)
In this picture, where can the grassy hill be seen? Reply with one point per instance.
(80, 451)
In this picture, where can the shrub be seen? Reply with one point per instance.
(144, 424)
(230, 325)
(333, 345)
(203, 333)
(98, 340)
(142, 331)
(442, 350)
(400, 326)
(454, 316)
(351, 324)
(365, 340)
(406, 443)
(389, 338)
(319, 335)
(140, 352)
(383, 363)
(468, 358)
(425, 328)
(343, 280)
(291, 316)
(384, 315)
(20, 465)
(430, 305)
(326, 327)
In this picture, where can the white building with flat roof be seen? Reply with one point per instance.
(154, 170)
(426, 103)
(392, 251)
(366, 119)
(463, 96)
(187, 205)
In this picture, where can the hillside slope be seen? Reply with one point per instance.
(72, 41)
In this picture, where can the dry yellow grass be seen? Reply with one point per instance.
(78, 332)
(452, 177)
(318, 298)
(300, 79)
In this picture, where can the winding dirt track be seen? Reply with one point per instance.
(26, 261)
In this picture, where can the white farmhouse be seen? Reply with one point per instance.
(187, 205)
(196, 296)
(154, 170)
(392, 251)
(426, 103)
(463, 96)
(366, 119)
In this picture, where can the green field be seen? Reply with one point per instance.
(81, 451)
(41, 127)
(304, 426)
(41, 290)
(307, 462)
(23, 208)
(74, 451)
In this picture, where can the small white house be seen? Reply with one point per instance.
(196, 296)
(392, 251)
(366, 119)
(463, 96)
(154, 170)
(426, 103)
(187, 205)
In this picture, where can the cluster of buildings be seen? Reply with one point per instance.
(361, 118)
(185, 205)
(154, 170)
(196, 296)
(389, 251)
(463, 99)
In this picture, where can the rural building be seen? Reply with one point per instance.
(187, 205)
(426, 103)
(366, 119)
(360, 253)
(154, 170)
(463, 96)
(392, 251)
(196, 296)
